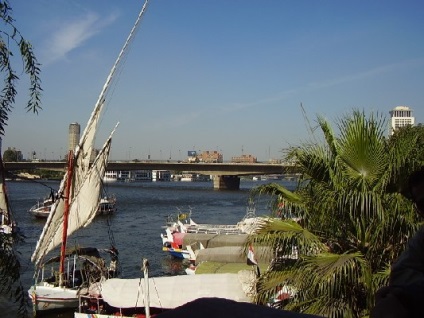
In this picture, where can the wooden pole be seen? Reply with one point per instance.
(65, 217)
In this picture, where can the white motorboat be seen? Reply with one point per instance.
(107, 205)
(178, 234)
(42, 208)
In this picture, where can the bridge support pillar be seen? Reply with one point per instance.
(226, 182)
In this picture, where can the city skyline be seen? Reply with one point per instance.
(215, 75)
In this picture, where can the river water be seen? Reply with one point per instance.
(136, 226)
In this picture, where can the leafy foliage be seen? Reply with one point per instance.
(353, 217)
(10, 155)
(11, 38)
(10, 268)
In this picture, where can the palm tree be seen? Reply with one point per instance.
(354, 217)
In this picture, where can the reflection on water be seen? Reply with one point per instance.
(135, 228)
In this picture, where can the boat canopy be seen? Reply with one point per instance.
(80, 251)
(213, 240)
(173, 291)
(232, 254)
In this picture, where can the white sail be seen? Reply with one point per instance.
(82, 207)
(85, 183)
(3, 196)
(86, 143)
(86, 179)
(82, 185)
(5, 218)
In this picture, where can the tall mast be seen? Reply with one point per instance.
(146, 287)
(66, 217)
(102, 95)
(51, 235)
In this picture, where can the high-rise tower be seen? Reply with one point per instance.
(74, 136)
(401, 116)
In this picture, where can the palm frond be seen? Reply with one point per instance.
(285, 235)
(354, 217)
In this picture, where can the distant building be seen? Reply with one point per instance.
(142, 175)
(161, 175)
(401, 116)
(275, 161)
(244, 159)
(73, 136)
(210, 156)
(128, 176)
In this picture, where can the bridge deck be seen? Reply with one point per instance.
(235, 169)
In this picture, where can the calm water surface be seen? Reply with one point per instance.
(136, 226)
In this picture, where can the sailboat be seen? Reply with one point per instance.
(7, 225)
(75, 208)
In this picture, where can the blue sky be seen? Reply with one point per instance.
(213, 74)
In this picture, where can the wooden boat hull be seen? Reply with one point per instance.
(53, 298)
(40, 213)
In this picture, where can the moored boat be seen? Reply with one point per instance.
(84, 266)
(42, 208)
(107, 205)
(75, 207)
(179, 235)
(155, 295)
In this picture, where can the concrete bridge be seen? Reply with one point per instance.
(225, 175)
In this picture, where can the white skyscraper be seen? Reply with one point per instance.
(401, 116)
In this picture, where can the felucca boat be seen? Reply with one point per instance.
(76, 206)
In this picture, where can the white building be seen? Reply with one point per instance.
(111, 176)
(161, 175)
(401, 116)
(128, 176)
